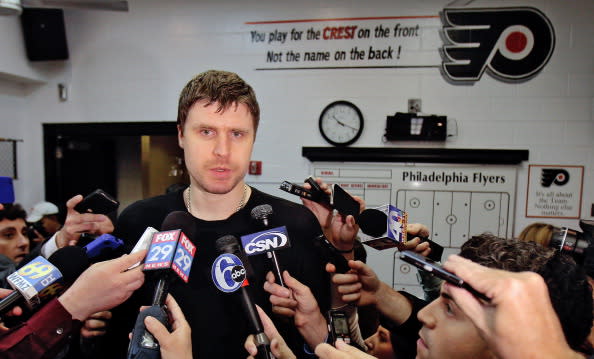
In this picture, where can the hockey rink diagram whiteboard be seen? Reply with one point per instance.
(454, 201)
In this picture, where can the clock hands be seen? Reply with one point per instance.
(344, 124)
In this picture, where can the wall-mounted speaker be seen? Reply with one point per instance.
(45, 34)
(414, 127)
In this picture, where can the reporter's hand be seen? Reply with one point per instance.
(359, 286)
(16, 311)
(96, 324)
(520, 321)
(178, 343)
(281, 298)
(77, 223)
(278, 347)
(103, 286)
(342, 351)
(414, 231)
(297, 301)
(340, 230)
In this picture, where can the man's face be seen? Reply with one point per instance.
(447, 333)
(13, 239)
(217, 146)
(380, 344)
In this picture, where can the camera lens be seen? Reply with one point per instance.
(571, 242)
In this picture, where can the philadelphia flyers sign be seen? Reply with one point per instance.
(512, 44)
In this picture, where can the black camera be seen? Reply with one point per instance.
(572, 241)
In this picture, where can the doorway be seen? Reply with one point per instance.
(130, 161)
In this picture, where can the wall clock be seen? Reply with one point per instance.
(341, 123)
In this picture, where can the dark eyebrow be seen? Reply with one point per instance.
(447, 296)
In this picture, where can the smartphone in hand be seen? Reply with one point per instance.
(343, 202)
(98, 202)
(437, 270)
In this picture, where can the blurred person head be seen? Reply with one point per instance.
(380, 344)
(538, 232)
(14, 243)
(448, 333)
(45, 217)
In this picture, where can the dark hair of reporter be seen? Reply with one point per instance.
(571, 296)
(12, 211)
(570, 293)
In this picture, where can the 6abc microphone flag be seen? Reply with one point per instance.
(229, 273)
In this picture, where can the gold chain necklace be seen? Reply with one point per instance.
(188, 203)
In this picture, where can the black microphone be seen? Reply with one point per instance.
(41, 279)
(267, 241)
(262, 213)
(373, 222)
(171, 251)
(233, 256)
(381, 225)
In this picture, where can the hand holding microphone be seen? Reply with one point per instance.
(297, 301)
(170, 255)
(229, 272)
(103, 286)
(178, 343)
(278, 346)
(40, 280)
(341, 229)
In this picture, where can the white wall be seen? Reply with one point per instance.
(131, 67)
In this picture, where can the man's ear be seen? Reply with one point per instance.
(180, 136)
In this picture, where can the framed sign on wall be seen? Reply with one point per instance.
(554, 191)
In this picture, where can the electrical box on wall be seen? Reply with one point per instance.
(415, 127)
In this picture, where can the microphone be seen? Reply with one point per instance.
(373, 222)
(340, 200)
(262, 213)
(171, 251)
(144, 242)
(97, 246)
(266, 241)
(42, 279)
(385, 227)
(229, 272)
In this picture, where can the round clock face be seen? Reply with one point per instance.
(341, 123)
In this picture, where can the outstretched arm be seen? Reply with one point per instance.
(297, 301)
(520, 321)
(361, 286)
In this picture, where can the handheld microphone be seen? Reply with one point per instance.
(171, 251)
(144, 242)
(102, 242)
(385, 227)
(229, 272)
(340, 200)
(267, 241)
(42, 279)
